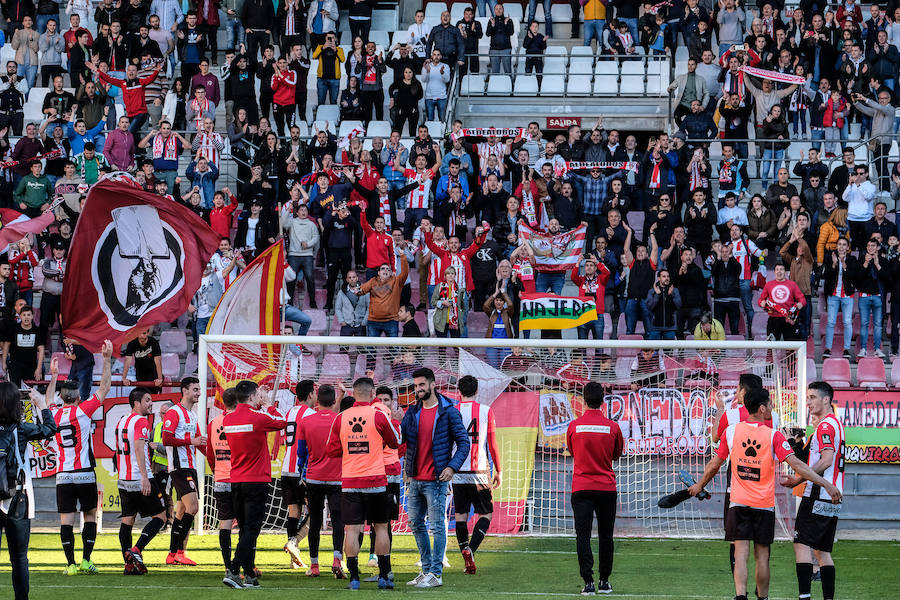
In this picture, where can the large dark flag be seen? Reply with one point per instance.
(136, 260)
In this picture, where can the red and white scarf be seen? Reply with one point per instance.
(654, 175)
(491, 131)
(774, 75)
(529, 206)
(165, 148)
(626, 40)
(448, 293)
(572, 165)
(384, 209)
(200, 109)
(698, 181)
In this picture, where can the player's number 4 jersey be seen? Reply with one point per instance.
(478, 420)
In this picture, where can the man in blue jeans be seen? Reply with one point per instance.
(431, 461)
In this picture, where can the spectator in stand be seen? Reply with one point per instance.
(839, 272)
(691, 87)
(471, 32)
(448, 40)
(775, 128)
(870, 280)
(330, 58)
(303, 245)
(145, 354)
(780, 192)
(709, 329)
(594, 21)
(371, 69)
(450, 303)
(796, 256)
(321, 21)
(26, 44)
(882, 113)
(726, 277)
(663, 302)
(860, 197)
(23, 260)
(592, 285)
(255, 230)
(34, 192)
(641, 269)
(133, 94)
(51, 45)
(384, 300)
(500, 31)
(692, 286)
(435, 76)
(879, 224)
(783, 301)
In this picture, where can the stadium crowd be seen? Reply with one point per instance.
(675, 242)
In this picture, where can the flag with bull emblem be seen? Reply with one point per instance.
(555, 253)
(136, 259)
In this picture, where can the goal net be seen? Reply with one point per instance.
(662, 394)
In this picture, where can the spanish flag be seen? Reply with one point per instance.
(250, 305)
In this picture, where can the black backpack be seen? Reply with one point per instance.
(9, 463)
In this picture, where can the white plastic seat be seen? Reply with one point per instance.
(553, 85)
(632, 67)
(499, 85)
(526, 85)
(380, 38)
(579, 85)
(379, 128)
(514, 11)
(36, 95)
(581, 65)
(632, 85)
(456, 11)
(434, 9)
(435, 129)
(472, 85)
(348, 126)
(328, 112)
(561, 13)
(555, 64)
(605, 85)
(581, 51)
(556, 50)
(607, 67)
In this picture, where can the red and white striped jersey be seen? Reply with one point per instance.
(210, 146)
(485, 150)
(129, 429)
(829, 434)
(478, 420)
(74, 450)
(183, 425)
(743, 252)
(289, 463)
(437, 266)
(421, 196)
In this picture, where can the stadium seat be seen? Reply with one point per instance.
(435, 129)
(457, 9)
(65, 365)
(895, 373)
(434, 9)
(513, 11)
(335, 367)
(633, 67)
(526, 85)
(380, 38)
(555, 64)
(171, 366)
(811, 369)
(98, 364)
(581, 65)
(499, 85)
(190, 365)
(870, 373)
(605, 85)
(328, 112)
(607, 67)
(553, 85)
(760, 320)
(561, 13)
(633, 337)
(632, 85)
(174, 341)
(472, 85)
(836, 371)
(579, 85)
(378, 128)
(348, 126)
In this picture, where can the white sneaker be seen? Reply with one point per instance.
(861, 354)
(430, 581)
(446, 562)
(879, 353)
(419, 579)
(419, 563)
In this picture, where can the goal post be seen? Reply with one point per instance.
(663, 395)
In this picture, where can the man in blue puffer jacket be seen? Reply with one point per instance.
(431, 461)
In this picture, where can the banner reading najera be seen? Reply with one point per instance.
(871, 421)
(548, 311)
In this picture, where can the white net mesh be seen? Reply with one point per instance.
(663, 399)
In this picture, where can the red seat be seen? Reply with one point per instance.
(836, 371)
(895, 373)
(870, 373)
(628, 352)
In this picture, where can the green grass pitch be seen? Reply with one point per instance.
(507, 567)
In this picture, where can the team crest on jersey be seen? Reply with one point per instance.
(826, 439)
(138, 264)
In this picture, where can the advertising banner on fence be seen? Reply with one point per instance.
(871, 420)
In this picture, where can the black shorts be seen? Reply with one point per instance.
(745, 523)
(224, 505)
(393, 500)
(293, 490)
(135, 502)
(468, 494)
(359, 507)
(69, 496)
(815, 530)
(184, 481)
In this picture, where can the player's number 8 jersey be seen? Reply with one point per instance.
(73, 436)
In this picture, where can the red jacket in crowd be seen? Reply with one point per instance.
(284, 87)
(220, 218)
(132, 91)
(23, 265)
